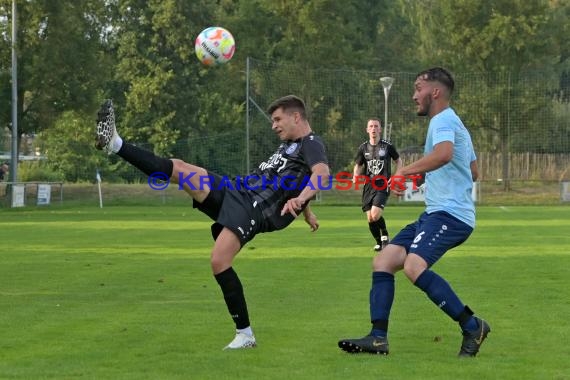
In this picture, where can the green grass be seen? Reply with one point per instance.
(126, 293)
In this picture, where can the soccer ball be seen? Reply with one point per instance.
(214, 46)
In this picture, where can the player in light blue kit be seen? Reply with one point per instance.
(450, 167)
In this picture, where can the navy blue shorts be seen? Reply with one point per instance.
(432, 235)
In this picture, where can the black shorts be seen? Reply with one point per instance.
(374, 198)
(232, 209)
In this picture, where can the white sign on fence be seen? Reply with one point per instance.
(18, 195)
(565, 191)
(44, 194)
(414, 195)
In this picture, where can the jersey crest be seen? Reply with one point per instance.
(291, 148)
(375, 167)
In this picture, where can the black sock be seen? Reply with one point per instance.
(144, 160)
(382, 226)
(375, 231)
(233, 295)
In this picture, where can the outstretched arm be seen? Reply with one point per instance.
(399, 164)
(311, 218)
(356, 172)
(320, 174)
(441, 154)
(474, 170)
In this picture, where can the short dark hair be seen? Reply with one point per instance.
(438, 74)
(289, 103)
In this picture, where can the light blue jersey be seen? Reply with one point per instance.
(449, 187)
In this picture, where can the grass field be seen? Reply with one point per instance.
(126, 293)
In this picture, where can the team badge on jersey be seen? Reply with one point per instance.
(382, 152)
(291, 148)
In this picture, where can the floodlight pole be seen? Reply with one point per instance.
(386, 84)
(247, 100)
(14, 154)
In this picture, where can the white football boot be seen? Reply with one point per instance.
(107, 137)
(241, 340)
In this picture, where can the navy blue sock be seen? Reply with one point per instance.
(439, 291)
(470, 325)
(381, 299)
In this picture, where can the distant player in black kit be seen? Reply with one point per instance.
(266, 200)
(373, 159)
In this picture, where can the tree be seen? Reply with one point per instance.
(68, 146)
(168, 94)
(503, 37)
(60, 64)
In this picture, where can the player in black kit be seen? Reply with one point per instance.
(266, 200)
(373, 160)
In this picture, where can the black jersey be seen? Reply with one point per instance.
(376, 160)
(283, 176)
